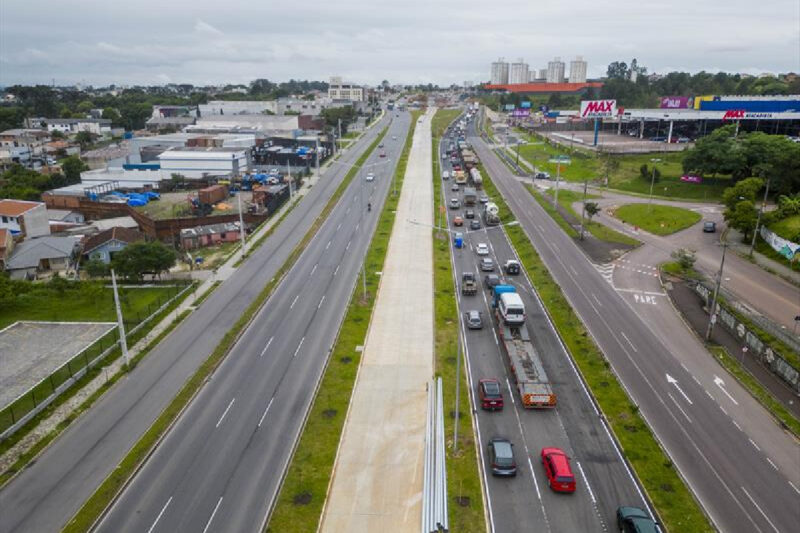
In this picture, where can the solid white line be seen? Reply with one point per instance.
(679, 407)
(595, 309)
(533, 475)
(759, 510)
(226, 412)
(313, 270)
(298, 347)
(754, 444)
(265, 411)
(773, 465)
(586, 480)
(267, 346)
(573, 270)
(320, 301)
(510, 392)
(165, 508)
(495, 337)
(208, 524)
(294, 301)
(627, 339)
(596, 299)
(329, 243)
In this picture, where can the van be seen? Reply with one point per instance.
(445, 175)
(511, 308)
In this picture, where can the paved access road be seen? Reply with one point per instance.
(45, 495)
(525, 502)
(741, 487)
(221, 466)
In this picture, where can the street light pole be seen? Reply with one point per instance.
(583, 210)
(458, 393)
(120, 324)
(558, 177)
(712, 317)
(652, 182)
(758, 220)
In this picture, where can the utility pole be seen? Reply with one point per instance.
(316, 153)
(458, 393)
(289, 177)
(583, 210)
(652, 182)
(241, 220)
(758, 220)
(558, 177)
(120, 324)
(340, 128)
(712, 317)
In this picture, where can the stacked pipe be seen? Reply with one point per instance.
(434, 490)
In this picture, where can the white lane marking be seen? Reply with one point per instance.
(337, 269)
(348, 210)
(709, 395)
(533, 475)
(313, 270)
(754, 444)
(320, 301)
(298, 347)
(226, 412)
(629, 341)
(267, 346)
(495, 337)
(573, 270)
(596, 299)
(723, 410)
(685, 368)
(674, 381)
(357, 225)
(294, 301)
(721, 384)
(795, 488)
(328, 245)
(593, 307)
(339, 226)
(510, 392)
(679, 407)
(165, 508)
(208, 524)
(586, 481)
(773, 465)
(266, 411)
(348, 245)
(760, 510)
(735, 423)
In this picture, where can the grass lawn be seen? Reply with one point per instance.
(600, 231)
(657, 219)
(788, 228)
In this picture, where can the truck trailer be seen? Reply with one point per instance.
(533, 385)
(470, 196)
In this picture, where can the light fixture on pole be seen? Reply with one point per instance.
(758, 220)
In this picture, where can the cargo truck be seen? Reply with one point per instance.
(491, 216)
(470, 196)
(525, 364)
(477, 179)
(460, 177)
(469, 285)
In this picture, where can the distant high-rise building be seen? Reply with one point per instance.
(555, 71)
(518, 72)
(499, 74)
(577, 70)
(531, 76)
(542, 75)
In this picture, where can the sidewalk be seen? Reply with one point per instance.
(377, 479)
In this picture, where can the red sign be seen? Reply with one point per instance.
(733, 114)
(598, 108)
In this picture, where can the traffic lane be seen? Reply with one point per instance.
(65, 473)
(236, 377)
(735, 514)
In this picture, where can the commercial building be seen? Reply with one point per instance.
(555, 71)
(518, 72)
(23, 218)
(546, 88)
(242, 107)
(257, 124)
(499, 74)
(577, 70)
(339, 90)
(199, 162)
(97, 126)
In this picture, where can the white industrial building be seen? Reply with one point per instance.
(577, 70)
(196, 163)
(518, 72)
(555, 71)
(98, 126)
(247, 124)
(242, 107)
(499, 74)
(339, 90)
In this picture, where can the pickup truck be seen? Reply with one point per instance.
(469, 285)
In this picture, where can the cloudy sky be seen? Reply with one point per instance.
(99, 42)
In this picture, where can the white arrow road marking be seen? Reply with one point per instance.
(721, 384)
(674, 381)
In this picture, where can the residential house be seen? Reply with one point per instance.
(22, 146)
(64, 219)
(33, 258)
(98, 126)
(201, 236)
(6, 247)
(23, 218)
(104, 245)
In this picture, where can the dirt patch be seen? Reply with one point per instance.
(304, 498)
(597, 250)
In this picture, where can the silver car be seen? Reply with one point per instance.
(473, 319)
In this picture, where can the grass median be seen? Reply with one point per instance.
(657, 219)
(93, 508)
(674, 503)
(465, 505)
(305, 487)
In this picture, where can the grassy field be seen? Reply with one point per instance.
(463, 478)
(305, 488)
(657, 219)
(788, 228)
(675, 505)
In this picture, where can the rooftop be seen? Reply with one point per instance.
(15, 208)
(28, 253)
(542, 87)
(116, 233)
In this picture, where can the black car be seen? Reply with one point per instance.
(501, 457)
(469, 213)
(709, 227)
(474, 224)
(635, 520)
(542, 176)
(490, 281)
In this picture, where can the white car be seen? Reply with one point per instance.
(482, 249)
(370, 177)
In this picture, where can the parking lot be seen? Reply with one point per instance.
(611, 142)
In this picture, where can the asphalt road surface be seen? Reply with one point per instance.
(44, 496)
(741, 487)
(221, 466)
(525, 502)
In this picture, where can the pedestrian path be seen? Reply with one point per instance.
(377, 478)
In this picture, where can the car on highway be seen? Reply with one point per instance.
(458, 221)
(473, 319)
(454, 187)
(469, 213)
(490, 281)
(487, 265)
(512, 267)
(683, 140)
(490, 395)
(501, 457)
(455, 203)
(380, 145)
(635, 520)
(370, 177)
(394, 137)
(558, 470)
(383, 154)
(709, 226)
(542, 176)
(458, 239)
(483, 199)
(482, 249)
(474, 224)
(445, 175)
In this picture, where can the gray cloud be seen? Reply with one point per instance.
(443, 41)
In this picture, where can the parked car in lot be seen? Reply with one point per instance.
(473, 319)
(474, 224)
(487, 265)
(455, 203)
(709, 226)
(469, 213)
(483, 199)
(501, 457)
(558, 470)
(482, 249)
(458, 221)
(490, 394)
(635, 520)
(490, 281)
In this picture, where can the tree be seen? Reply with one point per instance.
(618, 70)
(96, 268)
(685, 258)
(717, 153)
(72, 167)
(592, 208)
(744, 190)
(139, 258)
(113, 115)
(742, 217)
(85, 138)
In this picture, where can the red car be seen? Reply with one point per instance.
(556, 467)
(490, 395)
(383, 154)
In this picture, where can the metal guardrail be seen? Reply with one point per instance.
(434, 488)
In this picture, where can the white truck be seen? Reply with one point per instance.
(491, 214)
(477, 179)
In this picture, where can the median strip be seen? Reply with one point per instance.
(112, 486)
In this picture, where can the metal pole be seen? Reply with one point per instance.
(316, 152)
(458, 393)
(711, 313)
(558, 177)
(758, 220)
(241, 220)
(289, 177)
(652, 182)
(340, 128)
(583, 210)
(120, 324)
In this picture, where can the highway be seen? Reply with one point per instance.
(46, 494)
(744, 482)
(603, 479)
(221, 466)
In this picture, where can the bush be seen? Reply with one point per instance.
(685, 258)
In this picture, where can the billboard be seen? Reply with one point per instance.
(521, 113)
(509, 107)
(677, 102)
(525, 105)
(598, 108)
